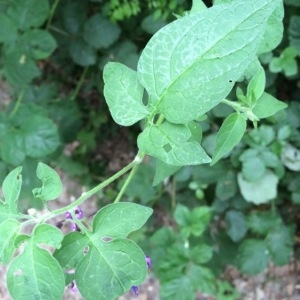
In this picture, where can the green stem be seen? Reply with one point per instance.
(127, 181)
(86, 195)
(17, 104)
(51, 14)
(233, 104)
(79, 84)
(58, 30)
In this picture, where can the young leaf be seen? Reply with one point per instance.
(123, 94)
(253, 169)
(51, 187)
(252, 256)
(11, 190)
(9, 230)
(267, 106)
(193, 70)
(261, 191)
(114, 262)
(173, 144)
(256, 86)
(229, 135)
(35, 273)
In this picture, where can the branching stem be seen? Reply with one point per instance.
(51, 14)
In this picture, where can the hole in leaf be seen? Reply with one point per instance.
(85, 250)
(106, 239)
(145, 98)
(167, 148)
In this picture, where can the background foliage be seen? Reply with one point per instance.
(242, 211)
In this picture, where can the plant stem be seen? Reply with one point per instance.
(85, 195)
(79, 84)
(51, 14)
(233, 104)
(17, 104)
(126, 183)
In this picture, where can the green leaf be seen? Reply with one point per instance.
(226, 186)
(197, 6)
(263, 222)
(267, 106)
(120, 219)
(13, 149)
(290, 157)
(9, 230)
(192, 222)
(38, 43)
(280, 242)
(28, 13)
(115, 261)
(162, 171)
(261, 191)
(35, 274)
(252, 256)
(11, 188)
(201, 254)
(123, 94)
(173, 144)
(47, 234)
(178, 289)
(82, 53)
(256, 85)
(192, 71)
(40, 136)
(253, 169)
(236, 225)
(294, 32)
(99, 32)
(19, 69)
(51, 187)
(8, 30)
(71, 250)
(229, 135)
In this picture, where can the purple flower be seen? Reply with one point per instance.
(78, 214)
(135, 290)
(73, 287)
(149, 262)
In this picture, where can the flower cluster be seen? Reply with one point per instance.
(79, 216)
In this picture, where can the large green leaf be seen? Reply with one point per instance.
(35, 274)
(189, 66)
(28, 13)
(229, 135)
(11, 188)
(174, 144)
(236, 225)
(113, 263)
(51, 187)
(123, 94)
